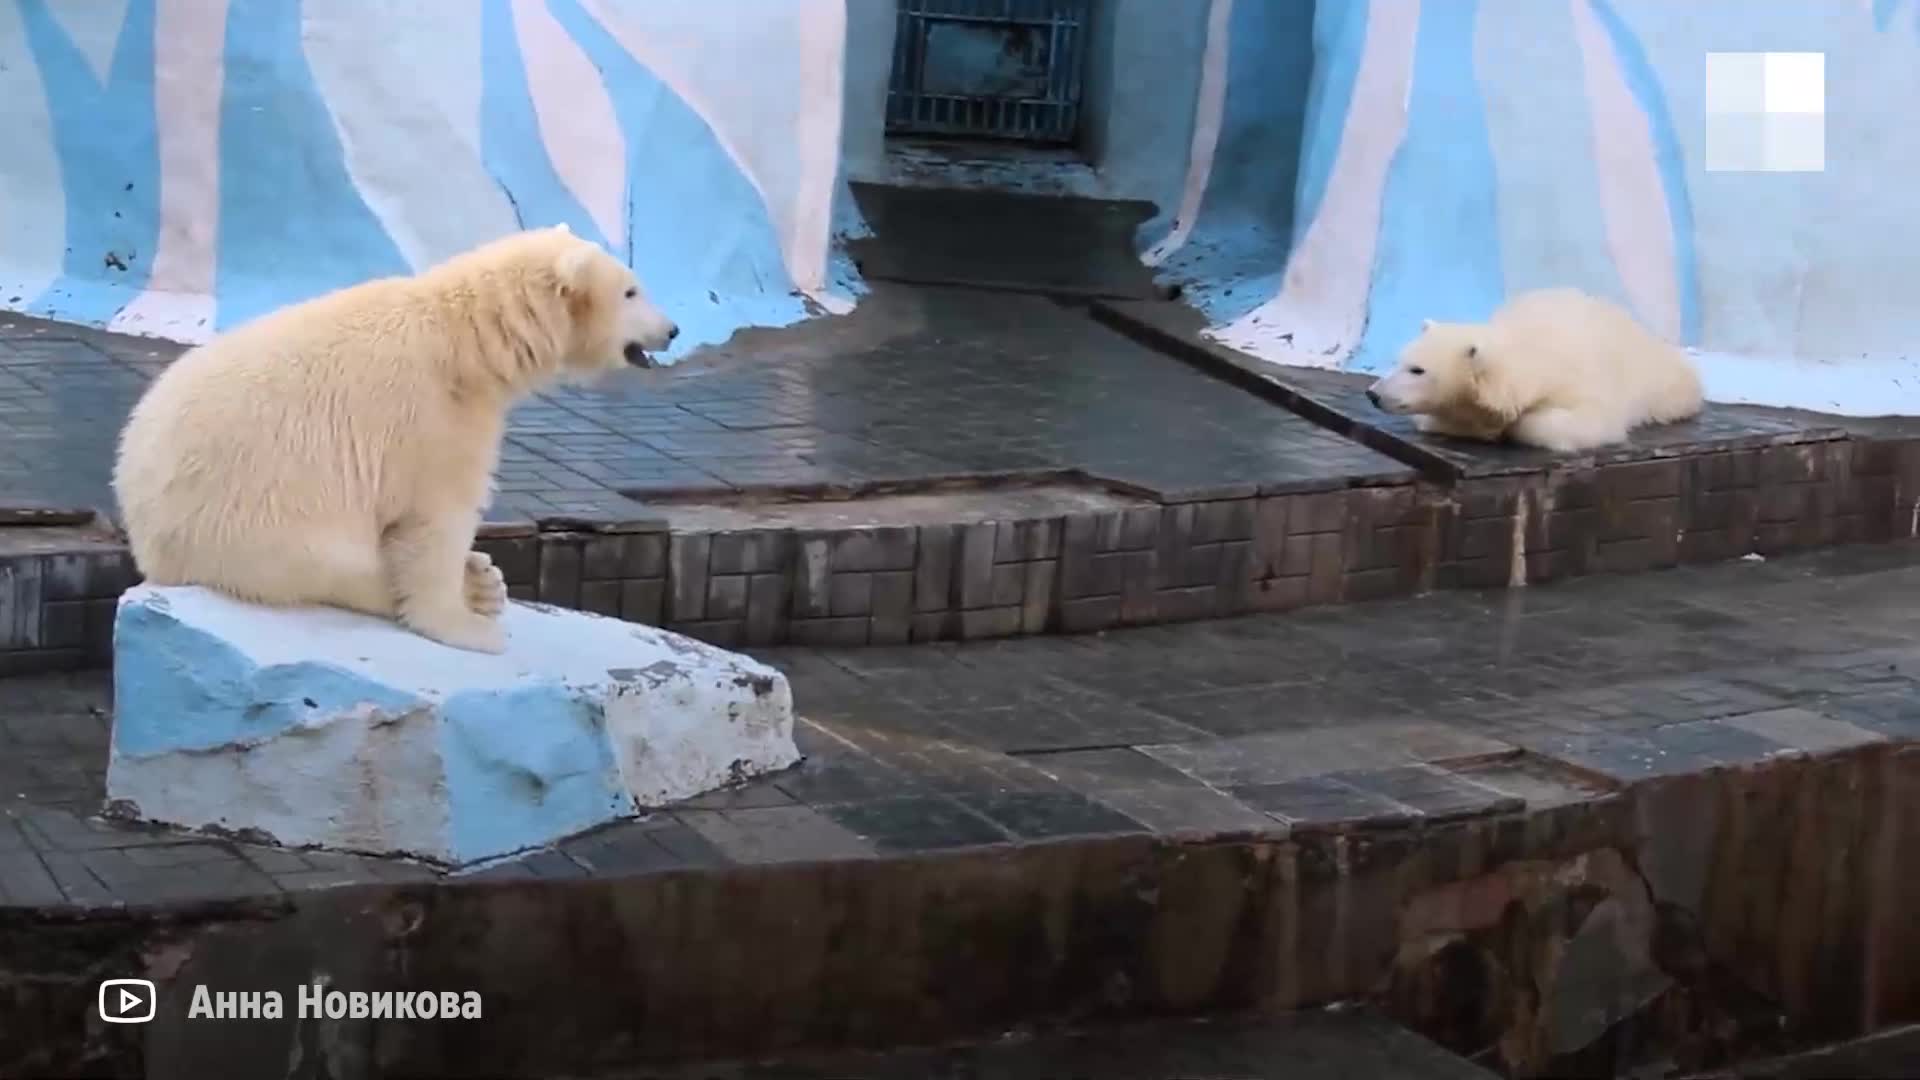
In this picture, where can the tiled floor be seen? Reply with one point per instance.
(63, 396)
(1364, 717)
(1343, 393)
(916, 385)
(1723, 426)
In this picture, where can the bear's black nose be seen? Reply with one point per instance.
(1374, 396)
(672, 332)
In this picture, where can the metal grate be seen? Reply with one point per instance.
(1005, 68)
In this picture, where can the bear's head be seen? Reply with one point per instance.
(1436, 370)
(613, 323)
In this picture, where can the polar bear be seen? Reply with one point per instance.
(342, 450)
(1553, 368)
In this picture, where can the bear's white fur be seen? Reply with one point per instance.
(1553, 368)
(341, 451)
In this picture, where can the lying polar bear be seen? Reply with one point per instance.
(1554, 368)
(341, 451)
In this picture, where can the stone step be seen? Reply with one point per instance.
(1578, 829)
(1673, 918)
(952, 464)
(1071, 554)
(1887, 1055)
(58, 589)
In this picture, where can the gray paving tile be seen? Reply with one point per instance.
(1325, 802)
(1287, 756)
(1804, 729)
(776, 834)
(1436, 794)
(212, 878)
(917, 384)
(1193, 811)
(1040, 815)
(1665, 751)
(26, 881)
(640, 847)
(78, 882)
(916, 823)
(1388, 720)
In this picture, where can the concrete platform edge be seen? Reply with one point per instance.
(931, 948)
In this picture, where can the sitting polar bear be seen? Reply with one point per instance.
(341, 451)
(1554, 368)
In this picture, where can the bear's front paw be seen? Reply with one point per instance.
(1430, 424)
(486, 590)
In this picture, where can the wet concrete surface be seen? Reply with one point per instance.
(1003, 240)
(917, 385)
(1893, 1055)
(1338, 400)
(1649, 818)
(1370, 716)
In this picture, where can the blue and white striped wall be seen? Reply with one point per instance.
(1450, 153)
(1330, 172)
(174, 167)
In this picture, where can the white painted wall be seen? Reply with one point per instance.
(1457, 154)
(1143, 78)
(156, 148)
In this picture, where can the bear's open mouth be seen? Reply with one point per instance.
(637, 356)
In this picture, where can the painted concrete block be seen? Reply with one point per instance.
(320, 727)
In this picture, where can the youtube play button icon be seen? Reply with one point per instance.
(127, 1001)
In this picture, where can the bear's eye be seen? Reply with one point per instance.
(631, 293)
(1416, 371)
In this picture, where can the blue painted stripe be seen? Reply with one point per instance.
(523, 766)
(1439, 248)
(182, 688)
(843, 274)
(511, 149)
(107, 141)
(1339, 39)
(1234, 259)
(292, 223)
(1668, 158)
(1270, 62)
(698, 233)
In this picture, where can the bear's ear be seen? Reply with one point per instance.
(572, 265)
(1476, 363)
(563, 229)
(1426, 325)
